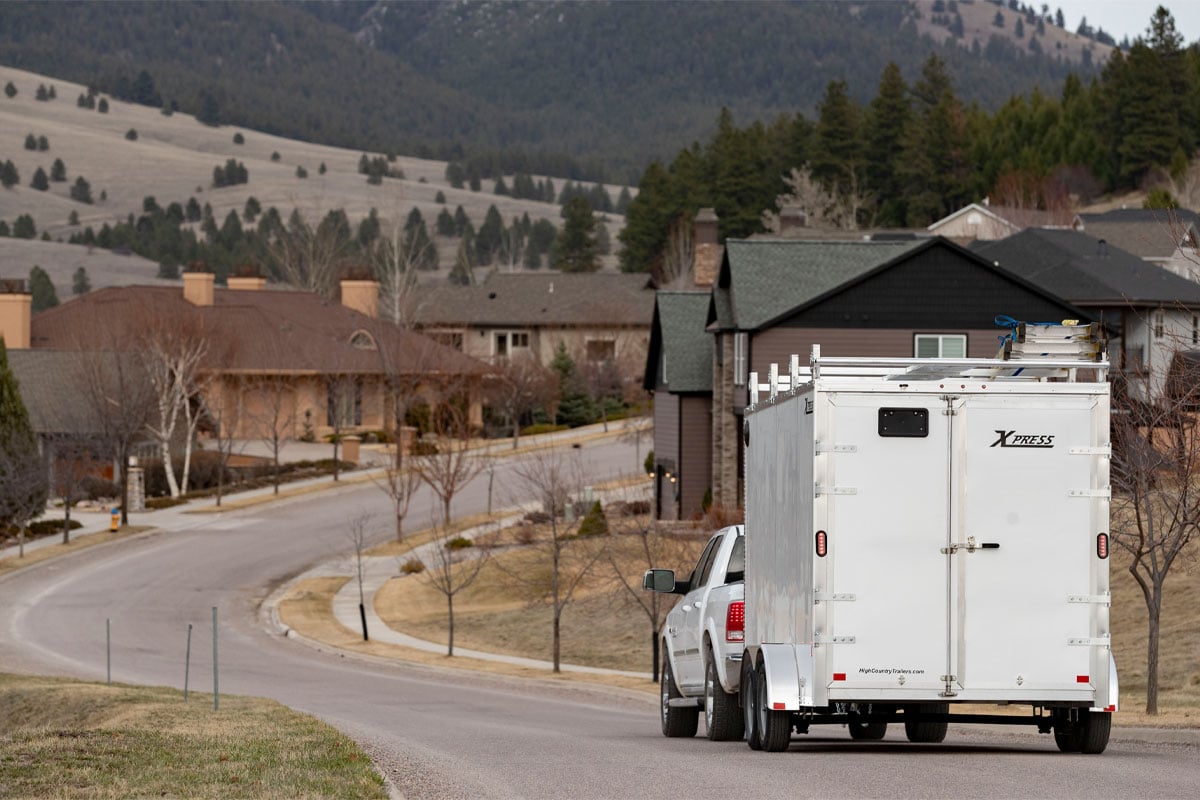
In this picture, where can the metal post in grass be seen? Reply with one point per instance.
(187, 662)
(108, 650)
(216, 693)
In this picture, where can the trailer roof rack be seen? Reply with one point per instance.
(1030, 352)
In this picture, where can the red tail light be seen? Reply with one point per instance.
(822, 544)
(1102, 545)
(735, 622)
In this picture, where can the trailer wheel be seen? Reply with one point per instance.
(677, 721)
(722, 717)
(867, 731)
(1066, 733)
(927, 732)
(1093, 731)
(775, 727)
(749, 694)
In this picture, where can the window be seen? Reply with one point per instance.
(449, 338)
(344, 405)
(740, 345)
(601, 350)
(505, 343)
(1135, 360)
(1158, 324)
(500, 345)
(362, 341)
(1195, 330)
(940, 345)
(519, 340)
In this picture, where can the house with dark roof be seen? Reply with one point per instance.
(679, 372)
(776, 297)
(288, 360)
(1151, 314)
(1167, 237)
(596, 316)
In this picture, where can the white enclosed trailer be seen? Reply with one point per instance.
(927, 533)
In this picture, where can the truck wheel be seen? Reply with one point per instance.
(749, 695)
(1093, 732)
(722, 717)
(677, 721)
(775, 727)
(927, 732)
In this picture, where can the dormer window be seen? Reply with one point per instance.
(362, 340)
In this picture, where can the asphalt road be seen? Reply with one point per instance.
(449, 735)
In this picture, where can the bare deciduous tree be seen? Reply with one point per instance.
(523, 386)
(357, 532)
(824, 208)
(555, 477)
(308, 257)
(172, 349)
(1156, 505)
(393, 259)
(674, 269)
(449, 464)
(224, 411)
(450, 569)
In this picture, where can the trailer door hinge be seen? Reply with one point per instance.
(1090, 641)
(1091, 451)
(820, 490)
(836, 448)
(1105, 493)
(819, 639)
(1098, 599)
(837, 596)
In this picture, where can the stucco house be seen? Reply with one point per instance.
(596, 316)
(288, 360)
(1151, 314)
(923, 297)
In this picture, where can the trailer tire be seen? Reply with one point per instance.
(775, 727)
(749, 694)
(1066, 733)
(677, 721)
(1093, 732)
(867, 731)
(722, 718)
(927, 732)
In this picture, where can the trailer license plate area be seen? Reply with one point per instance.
(908, 423)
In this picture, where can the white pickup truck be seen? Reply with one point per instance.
(702, 640)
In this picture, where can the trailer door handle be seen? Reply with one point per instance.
(990, 546)
(970, 545)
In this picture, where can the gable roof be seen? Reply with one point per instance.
(1152, 233)
(1087, 272)
(763, 279)
(50, 385)
(531, 299)
(252, 331)
(1012, 218)
(677, 335)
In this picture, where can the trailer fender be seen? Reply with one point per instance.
(788, 688)
(1114, 688)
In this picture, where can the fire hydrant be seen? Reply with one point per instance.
(115, 523)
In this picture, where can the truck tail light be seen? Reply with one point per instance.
(1102, 545)
(735, 622)
(822, 544)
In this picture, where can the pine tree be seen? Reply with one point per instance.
(40, 181)
(575, 407)
(24, 227)
(23, 480)
(575, 249)
(9, 177)
(80, 283)
(888, 117)
(82, 191)
(836, 152)
(461, 273)
(487, 240)
(42, 289)
(10, 90)
(58, 171)
(43, 144)
(445, 223)
(30, 142)
(103, 106)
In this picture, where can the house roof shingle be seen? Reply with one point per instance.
(252, 331)
(678, 336)
(1145, 232)
(763, 279)
(1086, 272)
(531, 299)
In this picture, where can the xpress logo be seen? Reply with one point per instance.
(1014, 439)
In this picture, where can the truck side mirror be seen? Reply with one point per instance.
(659, 580)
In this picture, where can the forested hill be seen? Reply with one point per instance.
(609, 84)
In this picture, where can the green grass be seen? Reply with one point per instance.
(71, 739)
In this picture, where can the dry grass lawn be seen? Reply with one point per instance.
(79, 541)
(70, 739)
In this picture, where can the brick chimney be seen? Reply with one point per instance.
(198, 286)
(16, 313)
(361, 295)
(791, 219)
(708, 252)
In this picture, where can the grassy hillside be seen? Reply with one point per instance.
(604, 82)
(172, 159)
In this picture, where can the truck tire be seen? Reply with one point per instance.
(677, 721)
(749, 695)
(1093, 732)
(775, 727)
(722, 718)
(927, 732)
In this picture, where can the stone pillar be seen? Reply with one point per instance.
(137, 487)
(350, 446)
